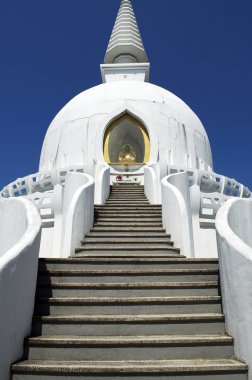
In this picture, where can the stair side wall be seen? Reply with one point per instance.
(20, 228)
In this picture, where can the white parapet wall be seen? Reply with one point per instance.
(152, 186)
(59, 209)
(78, 211)
(234, 237)
(20, 228)
(102, 183)
(208, 191)
(176, 212)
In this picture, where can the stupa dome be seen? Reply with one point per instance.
(76, 135)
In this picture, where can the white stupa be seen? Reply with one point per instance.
(126, 131)
(96, 124)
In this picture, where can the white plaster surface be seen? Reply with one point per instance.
(204, 233)
(151, 184)
(126, 71)
(234, 226)
(102, 183)
(176, 212)
(75, 136)
(20, 227)
(78, 211)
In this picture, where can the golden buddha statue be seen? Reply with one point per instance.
(127, 155)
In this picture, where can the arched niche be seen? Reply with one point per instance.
(126, 143)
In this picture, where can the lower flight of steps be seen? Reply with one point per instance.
(128, 306)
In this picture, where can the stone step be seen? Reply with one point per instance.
(150, 235)
(133, 305)
(127, 224)
(120, 240)
(128, 275)
(129, 216)
(134, 186)
(105, 249)
(129, 229)
(171, 324)
(126, 202)
(128, 195)
(196, 369)
(129, 247)
(126, 184)
(128, 192)
(129, 254)
(124, 209)
(126, 263)
(125, 219)
(129, 204)
(146, 206)
(129, 213)
(125, 189)
(142, 207)
(151, 289)
(212, 346)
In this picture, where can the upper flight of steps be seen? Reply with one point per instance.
(128, 306)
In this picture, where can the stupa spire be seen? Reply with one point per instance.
(125, 45)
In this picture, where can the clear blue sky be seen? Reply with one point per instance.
(201, 50)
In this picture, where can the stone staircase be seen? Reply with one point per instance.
(128, 305)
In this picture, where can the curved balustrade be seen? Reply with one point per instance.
(38, 182)
(210, 182)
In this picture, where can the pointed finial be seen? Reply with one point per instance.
(125, 45)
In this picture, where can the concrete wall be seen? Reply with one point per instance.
(176, 212)
(234, 230)
(78, 211)
(102, 183)
(152, 184)
(20, 227)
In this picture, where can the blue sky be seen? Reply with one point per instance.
(201, 50)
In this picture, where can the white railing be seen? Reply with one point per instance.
(210, 204)
(48, 192)
(208, 192)
(38, 182)
(210, 182)
(58, 209)
(44, 204)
